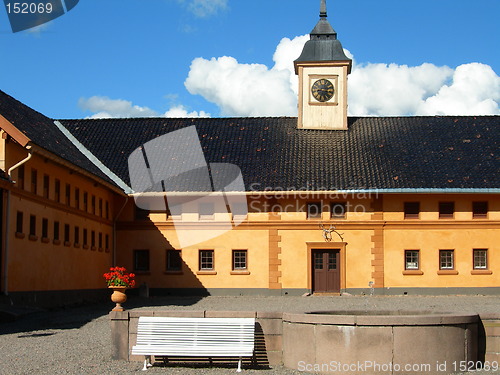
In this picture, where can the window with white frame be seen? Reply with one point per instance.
(446, 259)
(412, 259)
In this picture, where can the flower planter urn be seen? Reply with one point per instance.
(118, 297)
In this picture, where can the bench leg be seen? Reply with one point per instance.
(147, 362)
(239, 366)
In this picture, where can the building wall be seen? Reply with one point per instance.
(429, 234)
(279, 237)
(39, 261)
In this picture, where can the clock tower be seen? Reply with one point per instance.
(322, 69)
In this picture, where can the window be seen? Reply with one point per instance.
(412, 259)
(77, 236)
(174, 260)
(480, 259)
(107, 210)
(34, 182)
(314, 210)
(57, 191)
(106, 242)
(446, 210)
(46, 186)
(206, 211)
(446, 259)
(68, 194)
(56, 231)
(100, 207)
(85, 238)
(479, 210)
(92, 240)
(45, 229)
(206, 260)
(338, 210)
(20, 177)
(19, 222)
(66, 234)
(32, 225)
(77, 198)
(239, 260)
(85, 201)
(141, 260)
(93, 204)
(412, 210)
(100, 241)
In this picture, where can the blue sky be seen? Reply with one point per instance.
(127, 57)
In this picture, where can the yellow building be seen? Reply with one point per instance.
(322, 203)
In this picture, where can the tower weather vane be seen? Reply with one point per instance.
(322, 9)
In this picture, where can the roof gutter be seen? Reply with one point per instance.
(322, 192)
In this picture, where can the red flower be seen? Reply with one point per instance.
(119, 278)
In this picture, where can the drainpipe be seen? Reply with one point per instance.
(7, 222)
(114, 230)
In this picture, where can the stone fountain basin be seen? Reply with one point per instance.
(320, 341)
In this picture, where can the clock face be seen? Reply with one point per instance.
(322, 90)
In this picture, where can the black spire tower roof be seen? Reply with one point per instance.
(323, 45)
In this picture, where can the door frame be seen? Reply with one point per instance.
(341, 246)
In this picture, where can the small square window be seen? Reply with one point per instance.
(206, 260)
(174, 260)
(412, 210)
(446, 210)
(240, 260)
(338, 210)
(446, 259)
(412, 259)
(480, 210)
(141, 260)
(314, 210)
(480, 259)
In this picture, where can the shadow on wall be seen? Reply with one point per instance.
(160, 268)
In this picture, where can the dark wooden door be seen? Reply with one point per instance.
(326, 270)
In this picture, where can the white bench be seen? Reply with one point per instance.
(194, 337)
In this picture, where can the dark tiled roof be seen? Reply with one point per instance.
(375, 153)
(42, 132)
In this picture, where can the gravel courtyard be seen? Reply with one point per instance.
(77, 340)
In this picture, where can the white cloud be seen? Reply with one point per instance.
(249, 89)
(104, 107)
(374, 89)
(180, 111)
(475, 90)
